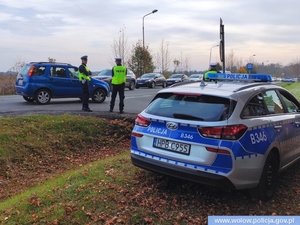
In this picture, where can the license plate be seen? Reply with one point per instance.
(173, 146)
(20, 82)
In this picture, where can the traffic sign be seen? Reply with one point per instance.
(249, 66)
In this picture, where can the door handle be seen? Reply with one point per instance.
(278, 127)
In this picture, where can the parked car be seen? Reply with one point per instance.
(233, 135)
(42, 81)
(106, 76)
(287, 79)
(176, 78)
(195, 77)
(151, 80)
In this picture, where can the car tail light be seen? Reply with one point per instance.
(232, 132)
(31, 70)
(142, 121)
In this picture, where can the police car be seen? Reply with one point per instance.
(236, 135)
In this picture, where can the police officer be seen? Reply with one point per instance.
(84, 78)
(119, 73)
(212, 70)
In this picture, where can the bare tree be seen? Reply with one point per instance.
(294, 67)
(231, 61)
(18, 65)
(163, 57)
(186, 64)
(120, 47)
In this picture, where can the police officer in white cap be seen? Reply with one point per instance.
(84, 78)
(212, 70)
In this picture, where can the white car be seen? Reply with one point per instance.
(235, 135)
(195, 77)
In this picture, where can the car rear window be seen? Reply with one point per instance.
(190, 107)
(31, 70)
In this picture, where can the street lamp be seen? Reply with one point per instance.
(210, 53)
(153, 11)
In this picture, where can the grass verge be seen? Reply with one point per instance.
(85, 176)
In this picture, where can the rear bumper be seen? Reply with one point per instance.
(182, 173)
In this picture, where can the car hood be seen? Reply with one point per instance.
(96, 81)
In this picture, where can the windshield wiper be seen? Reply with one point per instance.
(186, 116)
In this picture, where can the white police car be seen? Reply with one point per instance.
(235, 135)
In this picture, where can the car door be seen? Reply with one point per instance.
(157, 78)
(75, 85)
(292, 108)
(58, 81)
(285, 122)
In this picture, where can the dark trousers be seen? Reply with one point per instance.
(117, 88)
(85, 95)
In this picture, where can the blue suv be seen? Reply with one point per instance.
(41, 81)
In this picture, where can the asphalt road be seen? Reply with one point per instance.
(135, 102)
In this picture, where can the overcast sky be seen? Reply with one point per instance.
(33, 30)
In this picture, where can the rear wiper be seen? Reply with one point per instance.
(186, 116)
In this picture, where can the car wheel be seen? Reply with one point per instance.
(28, 99)
(43, 96)
(131, 85)
(164, 84)
(268, 180)
(99, 96)
(152, 85)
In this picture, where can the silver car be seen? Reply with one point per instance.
(106, 75)
(195, 77)
(235, 135)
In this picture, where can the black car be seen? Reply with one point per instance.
(176, 78)
(105, 75)
(151, 80)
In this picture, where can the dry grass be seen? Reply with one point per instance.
(7, 84)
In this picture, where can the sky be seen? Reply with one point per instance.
(33, 30)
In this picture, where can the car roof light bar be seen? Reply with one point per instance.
(239, 77)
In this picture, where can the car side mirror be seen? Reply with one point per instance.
(76, 69)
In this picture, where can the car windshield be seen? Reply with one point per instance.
(201, 107)
(150, 75)
(176, 76)
(105, 73)
(195, 76)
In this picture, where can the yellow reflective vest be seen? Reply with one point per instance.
(119, 76)
(209, 72)
(82, 76)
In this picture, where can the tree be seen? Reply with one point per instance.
(231, 61)
(163, 57)
(16, 68)
(141, 60)
(186, 65)
(120, 47)
(294, 68)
